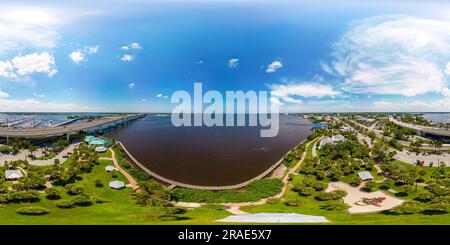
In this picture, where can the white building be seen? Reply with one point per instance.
(365, 175)
(110, 168)
(332, 140)
(324, 141)
(116, 184)
(345, 129)
(13, 174)
(338, 137)
(100, 149)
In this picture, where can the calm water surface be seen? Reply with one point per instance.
(438, 117)
(208, 155)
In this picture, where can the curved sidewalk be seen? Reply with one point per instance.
(130, 178)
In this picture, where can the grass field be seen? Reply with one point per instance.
(120, 207)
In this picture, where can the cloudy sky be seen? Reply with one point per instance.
(314, 55)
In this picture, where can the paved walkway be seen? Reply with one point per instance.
(130, 178)
(314, 148)
(274, 218)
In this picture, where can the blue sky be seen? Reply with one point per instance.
(313, 55)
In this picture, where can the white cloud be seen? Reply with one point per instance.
(127, 58)
(21, 66)
(134, 45)
(7, 69)
(32, 105)
(3, 94)
(398, 55)
(36, 62)
(93, 49)
(77, 56)
(144, 100)
(326, 67)
(306, 90)
(160, 95)
(233, 63)
(15, 36)
(39, 95)
(274, 66)
(131, 85)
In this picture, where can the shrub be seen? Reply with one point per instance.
(65, 204)
(320, 186)
(307, 170)
(74, 190)
(369, 186)
(355, 181)
(407, 208)
(338, 194)
(323, 196)
(437, 208)
(338, 206)
(305, 191)
(273, 201)
(320, 175)
(3, 199)
(98, 183)
(293, 202)
(405, 190)
(424, 196)
(52, 193)
(98, 199)
(32, 210)
(387, 184)
(82, 200)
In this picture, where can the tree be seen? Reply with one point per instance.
(369, 186)
(74, 190)
(52, 193)
(437, 146)
(98, 183)
(32, 148)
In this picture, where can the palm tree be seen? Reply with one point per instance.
(437, 146)
(32, 149)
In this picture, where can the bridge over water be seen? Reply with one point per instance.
(103, 122)
(423, 129)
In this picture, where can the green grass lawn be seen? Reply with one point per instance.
(106, 154)
(120, 208)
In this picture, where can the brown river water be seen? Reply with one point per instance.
(208, 156)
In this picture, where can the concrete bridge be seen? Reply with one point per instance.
(421, 130)
(100, 123)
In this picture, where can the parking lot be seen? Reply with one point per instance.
(412, 157)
